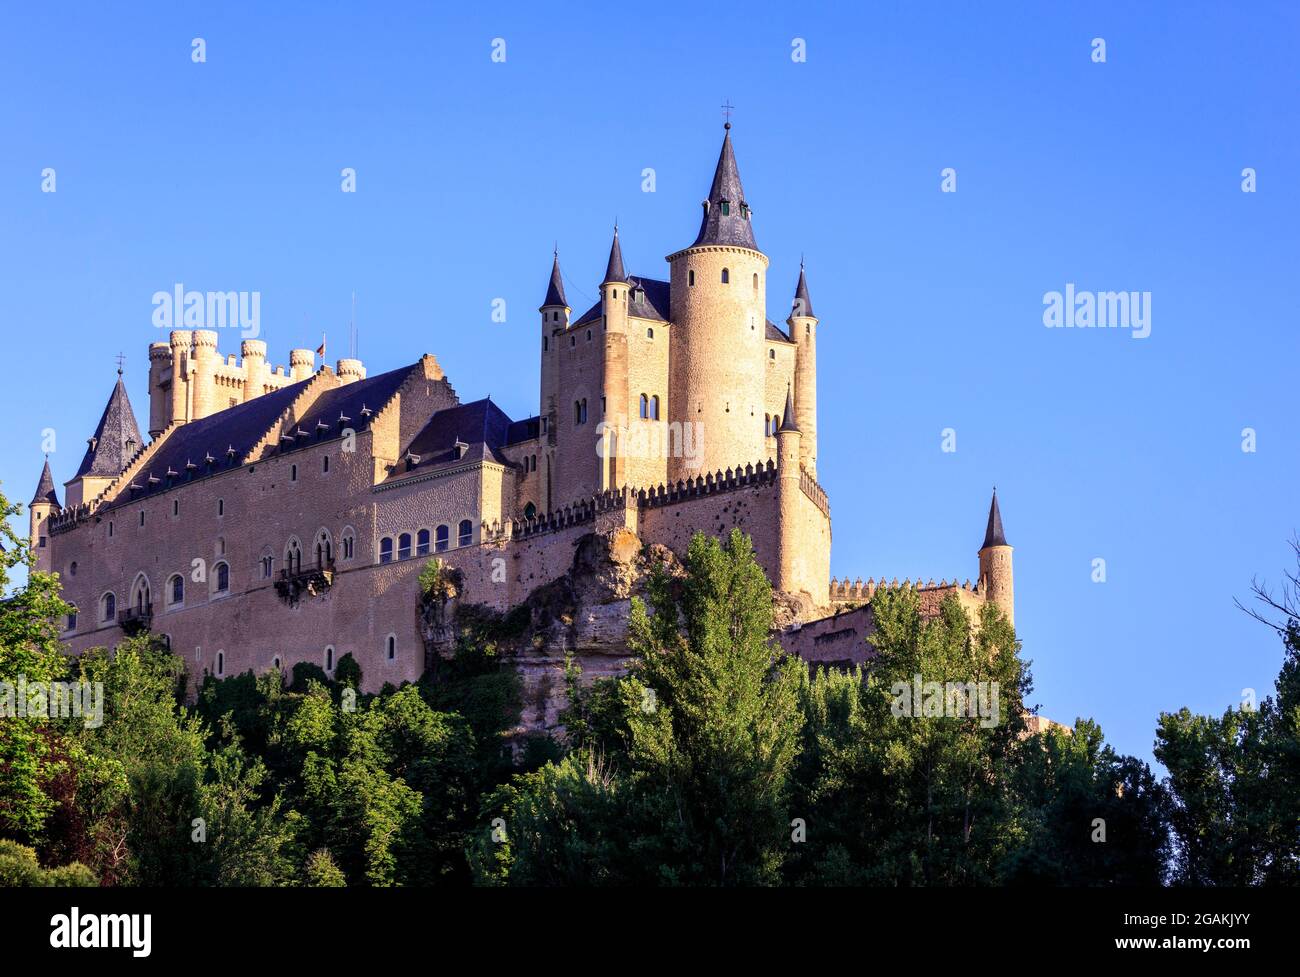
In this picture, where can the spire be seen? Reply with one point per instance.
(45, 491)
(614, 270)
(994, 536)
(802, 301)
(116, 439)
(555, 290)
(787, 420)
(726, 213)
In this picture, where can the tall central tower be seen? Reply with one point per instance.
(719, 329)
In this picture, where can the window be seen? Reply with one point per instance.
(690, 277)
(42, 543)
(755, 281)
(72, 621)
(726, 276)
(176, 592)
(726, 211)
(404, 546)
(141, 517)
(645, 407)
(441, 539)
(386, 550)
(573, 340)
(72, 568)
(391, 644)
(167, 641)
(176, 507)
(530, 511)
(223, 577)
(545, 344)
(422, 543)
(464, 533)
(767, 425)
(221, 507)
(649, 332)
(329, 658)
(588, 335)
(325, 464)
(654, 408)
(293, 473)
(275, 662)
(110, 532)
(267, 565)
(221, 663)
(108, 608)
(349, 544)
(324, 549)
(293, 556)
(771, 354)
(534, 462)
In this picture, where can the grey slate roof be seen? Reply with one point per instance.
(802, 300)
(787, 420)
(116, 440)
(614, 270)
(776, 334)
(481, 426)
(649, 299)
(555, 290)
(733, 228)
(45, 491)
(529, 429)
(994, 536)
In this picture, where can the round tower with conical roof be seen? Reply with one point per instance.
(44, 504)
(803, 330)
(719, 331)
(997, 583)
(614, 368)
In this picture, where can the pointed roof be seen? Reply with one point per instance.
(726, 213)
(45, 491)
(614, 270)
(802, 300)
(555, 290)
(787, 420)
(108, 451)
(994, 536)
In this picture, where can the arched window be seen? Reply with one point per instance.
(649, 332)
(167, 641)
(771, 354)
(325, 464)
(176, 590)
(573, 340)
(530, 511)
(391, 647)
(223, 577)
(441, 538)
(221, 507)
(324, 549)
(755, 281)
(690, 277)
(654, 408)
(221, 664)
(72, 568)
(293, 473)
(404, 546)
(329, 658)
(588, 335)
(386, 550)
(645, 406)
(465, 533)
(268, 563)
(275, 662)
(108, 607)
(726, 276)
(348, 543)
(141, 601)
(293, 556)
(422, 543)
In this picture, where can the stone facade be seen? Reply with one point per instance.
(277, 517)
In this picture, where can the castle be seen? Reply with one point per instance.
(274, 517)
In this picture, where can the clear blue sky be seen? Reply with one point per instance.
(1123, 175)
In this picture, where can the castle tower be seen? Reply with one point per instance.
(803, 330)
(614, 374)
(350, 370)
(996, 579)
(302, 363)
(555, 312)
(44, 504)
(204, 374)
(108, 451)
(788, 447)
(160, 378)
(181, 342)
(252, 353)
(718, 337)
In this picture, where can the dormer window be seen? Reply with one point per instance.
(726, 208)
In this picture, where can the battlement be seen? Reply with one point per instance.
(846, 592)
(814, 492)
(727, 480)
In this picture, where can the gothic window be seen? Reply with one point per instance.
(349, 544)
(530, 511)
(266, 567)
(386, 550)
(422, 543)
(223, 577)
(72, 621)
(293, 556)
(108, 607)
(324, 548)
(726, 276)
(404, 546)
(176, 592)
(442, 539)
(464, 533)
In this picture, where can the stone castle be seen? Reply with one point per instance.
(274, 517)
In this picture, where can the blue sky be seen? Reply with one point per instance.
(1117, 176)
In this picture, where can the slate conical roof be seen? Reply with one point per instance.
(45, 491)
(555, 290)
(116, 440)
(802, 300)
(787, 421)
(726, 213)
(614, 270)
(994, 536)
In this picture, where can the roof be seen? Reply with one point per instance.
(482, 427)
(614, 270)
(528, 429)
(802, 300)
(350, 405)
(116, 439)
(45, 491)
(775, 334)
(555, 289)
(726, 213)
(649, 299)
(787, 419)
(994, 536)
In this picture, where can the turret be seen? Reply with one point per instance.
(302, 363)
(614, 296)
(350, 370)
(253, 354)
(45, 503)
(108, 451)
(803, 330)
(204, 374)
(996, 582)
(720, 328)
(182, 348)
(160, 395)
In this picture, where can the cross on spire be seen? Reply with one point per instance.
(121, 358)
(726, 113)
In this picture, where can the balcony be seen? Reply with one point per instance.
(133, 620)
(309, 579)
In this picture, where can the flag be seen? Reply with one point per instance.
(320, 350)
